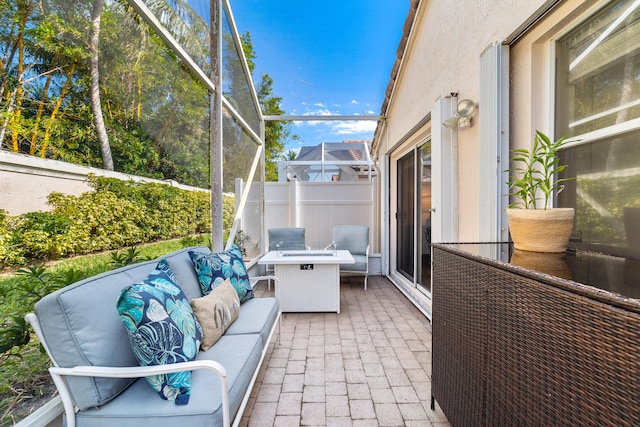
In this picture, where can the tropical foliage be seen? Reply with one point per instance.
(23, 367)
(534, 178)
(55, 84)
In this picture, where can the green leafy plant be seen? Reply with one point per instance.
(127, 257)
(32, 284)
(196, 240)
(533, 181)
(240, 240)
(15, 333)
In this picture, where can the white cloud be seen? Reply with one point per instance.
(353, 102)
(319, 104)
(319, 112)
(354, 127)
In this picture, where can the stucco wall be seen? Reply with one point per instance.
(443, 56)
(26, 181)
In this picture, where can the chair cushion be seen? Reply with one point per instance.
(139, 407)
(214, 268)
(216, 312)
(286, 239)
(162, 329)
(360, 264)
(354, 238)
(256, 317)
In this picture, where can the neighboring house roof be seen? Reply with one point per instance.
(343, 151)
(348, 160)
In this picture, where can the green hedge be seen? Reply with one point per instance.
(117, 214)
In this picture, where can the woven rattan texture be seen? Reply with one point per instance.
(510, 350)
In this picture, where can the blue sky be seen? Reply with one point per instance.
(325, 57)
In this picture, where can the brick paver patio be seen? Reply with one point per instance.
(370, 365)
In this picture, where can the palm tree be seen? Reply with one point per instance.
(290, 155)
(94, 91)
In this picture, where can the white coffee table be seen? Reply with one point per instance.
(308, 280)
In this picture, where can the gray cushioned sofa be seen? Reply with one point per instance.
(99, 378)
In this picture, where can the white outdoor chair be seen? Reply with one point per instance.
(355, 239)
(285, 239)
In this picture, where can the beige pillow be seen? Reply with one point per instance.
(216, 312)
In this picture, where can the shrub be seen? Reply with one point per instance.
(117, 214)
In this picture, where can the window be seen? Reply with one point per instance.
(598, 78)
(598, 102)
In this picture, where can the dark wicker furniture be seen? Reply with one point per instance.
(513, 347)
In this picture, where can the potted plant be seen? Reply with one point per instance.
(534, 225)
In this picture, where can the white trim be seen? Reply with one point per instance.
(298, 118)
(421, 301)
(444, 173)
(243, 199)
(385, 225)
(243, 59)
(494, 144)
(45, 416)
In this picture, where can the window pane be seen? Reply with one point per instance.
(239, 153)
(598, 74)
(606, 194)
(188, 23)
(406, 215)
(235, 83)
(239, 150)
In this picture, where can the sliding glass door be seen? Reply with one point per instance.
(413, 216)
(406, 215)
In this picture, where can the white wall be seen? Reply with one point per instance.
(443, 56)
(26, 181)
(318, 206)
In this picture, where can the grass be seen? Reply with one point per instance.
(25, 383)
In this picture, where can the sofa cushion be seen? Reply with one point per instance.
(182, 267)
(83, 327)
(138, 406)
(162, 329)
(82, 322)
(214, 268)
(257, 316)
(216, 312)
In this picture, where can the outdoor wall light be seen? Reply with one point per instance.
(462, 118)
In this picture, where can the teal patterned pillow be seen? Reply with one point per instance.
(162, 329)
(214, 268)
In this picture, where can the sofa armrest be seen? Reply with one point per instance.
(256, 279)
(58, 375)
